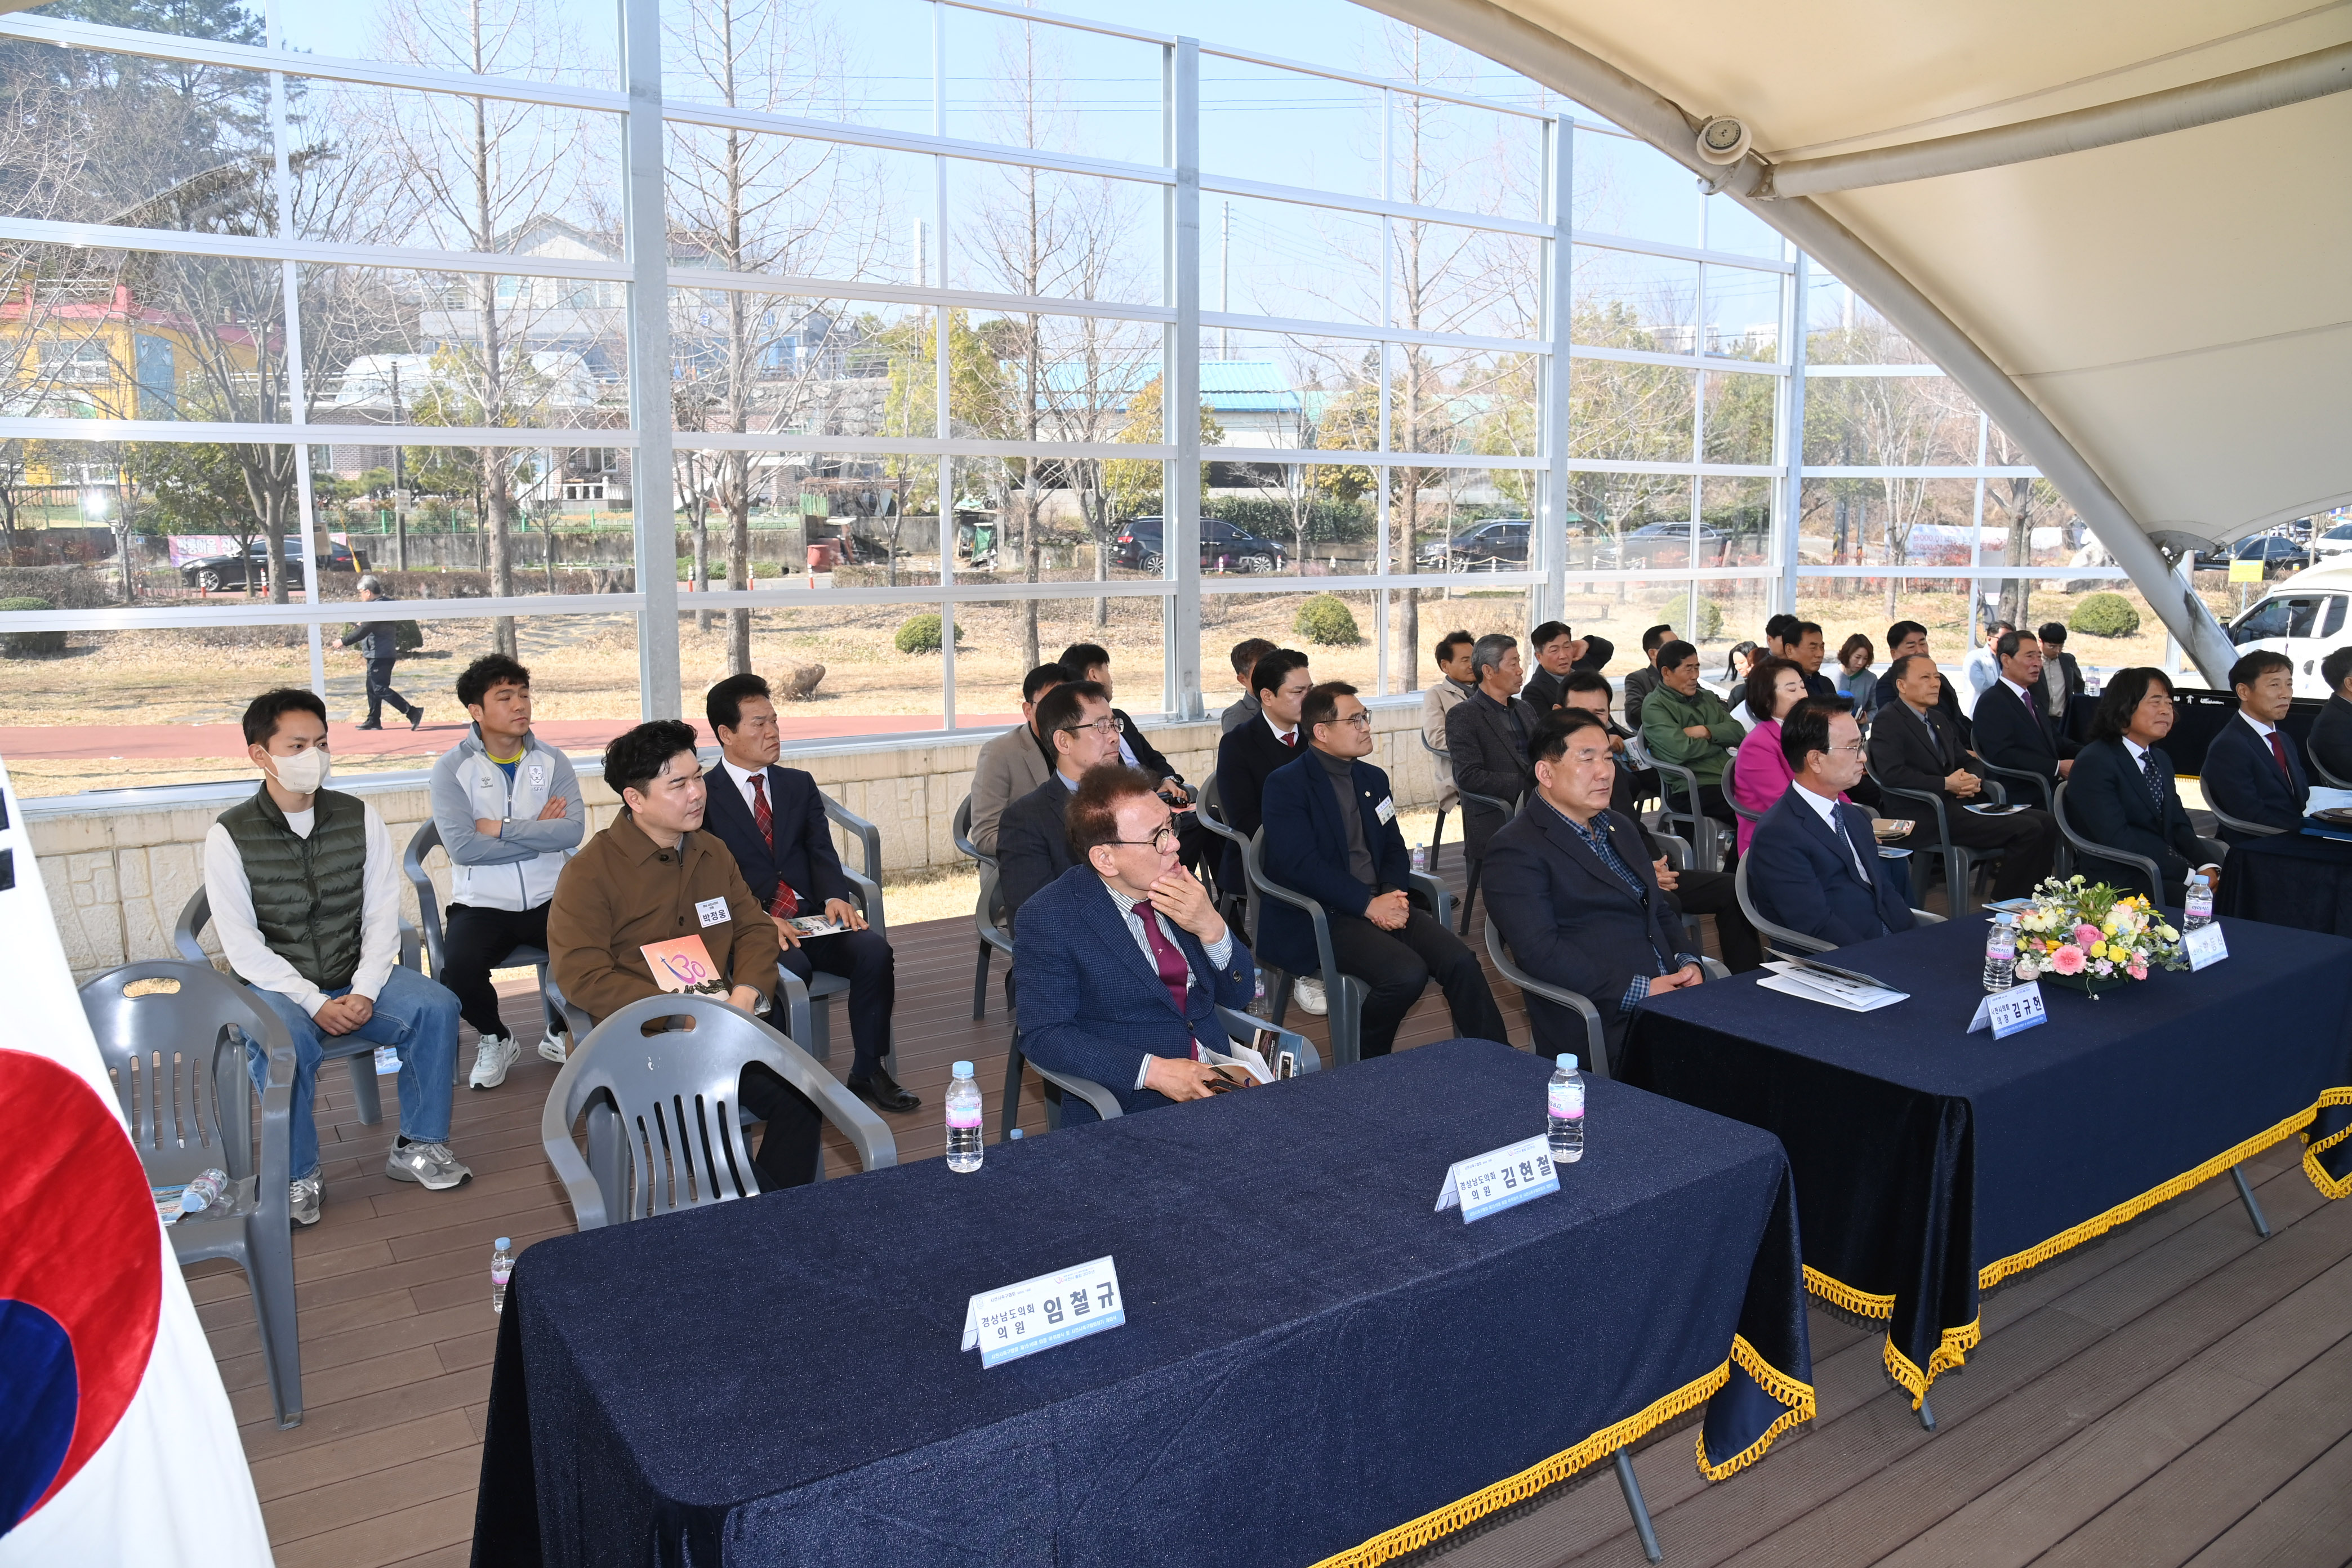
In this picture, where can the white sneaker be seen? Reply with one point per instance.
(1309, 994)
(552, 1046)
(305, 1194)
(492, 1057)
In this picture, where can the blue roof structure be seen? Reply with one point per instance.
(1227, 386)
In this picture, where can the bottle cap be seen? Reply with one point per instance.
(962, 1070)
(1016, 1132)
(504, 1242)
(1565, 1061)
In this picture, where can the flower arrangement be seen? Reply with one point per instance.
(2084, 933)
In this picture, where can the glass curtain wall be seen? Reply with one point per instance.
(888, 350)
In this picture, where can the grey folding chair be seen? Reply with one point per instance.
(2086, 849)
(178, 1060)
(187, 937)
(2319, 771)
(2252, 829)
(962, 831)
(1783, 942)
(1344, 993)
(2028, 789)
(669, 1135)
(1437, 834)
(1703, 829)
(807, 1004)
(1240, 1027)
(987, 917)
(1596, 1054)
(423, 842)
(1470, 887)
(1730, 770)
(1960, 863)
(1211, 809)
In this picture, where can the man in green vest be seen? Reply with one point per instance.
(304, 893)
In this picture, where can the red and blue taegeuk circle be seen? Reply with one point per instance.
(81, 1278)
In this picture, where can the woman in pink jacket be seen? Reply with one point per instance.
(1761, 774)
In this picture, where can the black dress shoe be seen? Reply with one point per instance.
(416, 717)
(883, 1092)
(368, 726)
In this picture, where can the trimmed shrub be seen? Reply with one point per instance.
(29, 645)
(2104, 616)
(920, 633)
(1326, 619)
(1710, 620)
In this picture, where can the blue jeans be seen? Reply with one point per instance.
(416, 1017)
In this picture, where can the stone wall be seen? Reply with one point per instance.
(118, 876)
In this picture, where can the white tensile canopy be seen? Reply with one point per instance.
(2163, 318)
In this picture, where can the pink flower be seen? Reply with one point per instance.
(2139, 972)
(2067, 960)
(2088, 936)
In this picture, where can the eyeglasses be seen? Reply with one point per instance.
(1162, 841)
(1854, 751)
(1359, 720)
(1114, 725)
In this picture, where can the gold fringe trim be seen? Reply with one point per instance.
(1951, 1350)
(1797, 1396)
(2132, 1208)
(2329, 1187)
(1414, 1535)
(1838, 1293)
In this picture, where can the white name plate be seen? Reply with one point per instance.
(1500, 1178)
(2019, 1007)
(1014, 1320)
(2205, 946)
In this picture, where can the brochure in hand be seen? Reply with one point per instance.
(685, 966)
(806, 926)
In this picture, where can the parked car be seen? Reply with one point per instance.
(214, 573)
(2274, 551)
(1500, 545)
(2333, 546)
(1224, 547)
(2305, 618)
(1666, 545)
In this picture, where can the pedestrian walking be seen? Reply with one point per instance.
(380, 643)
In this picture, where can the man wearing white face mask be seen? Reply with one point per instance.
(304, 893)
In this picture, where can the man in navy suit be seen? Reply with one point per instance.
(1813, 864)
(1331, 833)
(1570, 885)
(2122, 795)
(2013, 727)
(773, 821)
(1033, 840)
(2254, 769)
(1122, 961)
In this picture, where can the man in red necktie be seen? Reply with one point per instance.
(1122, 962)
(2254, 769)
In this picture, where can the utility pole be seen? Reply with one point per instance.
(399, 484)
(1225, 283)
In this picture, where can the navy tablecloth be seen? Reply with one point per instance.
(1311, 1358)
(2292, 879)
(1931, 1163)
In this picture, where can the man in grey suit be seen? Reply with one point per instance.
(1246, 653)
(1486, 738)
(1456, 682)
(1014, 762)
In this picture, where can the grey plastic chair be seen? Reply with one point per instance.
(2319, 770)
(1240, 1027)
(1730, 771)
(1210, 808)
(960, 830)
(423, 842)
(1960, 863)
(178, 1060)
(187, 937)
(2089, 851)
(1783, 942)
(1703, 829)
(2252, 829)
(663, 1129)
(1470, 886)
(808, 1010)
(988, 918)
(1437, 834)
(1596, 1057)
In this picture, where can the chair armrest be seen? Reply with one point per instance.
(1242, 1029)
(1677, 848)
(1928, 917)
(1253, 863)
(195, 915)
(1106, 1103)
(1440, 901)
(579, 1187)
(1489, 801)
(2254, 829)
(270, 1198)
(865, 833)
(2040, 785)
(867, 894)
(428, 901)
(984, 914)
(1933, 801)
(1594, 1042)
(408, 947)
(1713, 968)
(799, 1013)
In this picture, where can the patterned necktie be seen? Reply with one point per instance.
(1174, 973)
(1853, 853)
(2154, 780)
(1291, 739)
(2278, 754)
(786, 902)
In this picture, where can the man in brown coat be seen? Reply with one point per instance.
(653, 876)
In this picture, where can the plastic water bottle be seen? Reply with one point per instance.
(2001, 955)
(1420, 858)
(2200, 909)
(501, 1270)
(1016, 1132)
(964, 1120)
(205, 1191)
(1565, 1123)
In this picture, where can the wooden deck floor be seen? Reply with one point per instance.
(2179, 1392)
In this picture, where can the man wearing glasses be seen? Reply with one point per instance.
(1570, 888)
(1331, 833)
(1122, 962)
(1033, 845)
(1813, 865)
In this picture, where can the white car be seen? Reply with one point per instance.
(2306, 617)
(2332, 546)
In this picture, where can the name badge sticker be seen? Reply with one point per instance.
(2205, 946)
(2019, 1007)
(1386, 811)
(1499, 1179)
(712, 912)
(1015, 1321)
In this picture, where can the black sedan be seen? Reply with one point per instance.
(1500, 545)
(2274, 551)
(1666, 545)
(1224, 547)
(212, 572)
